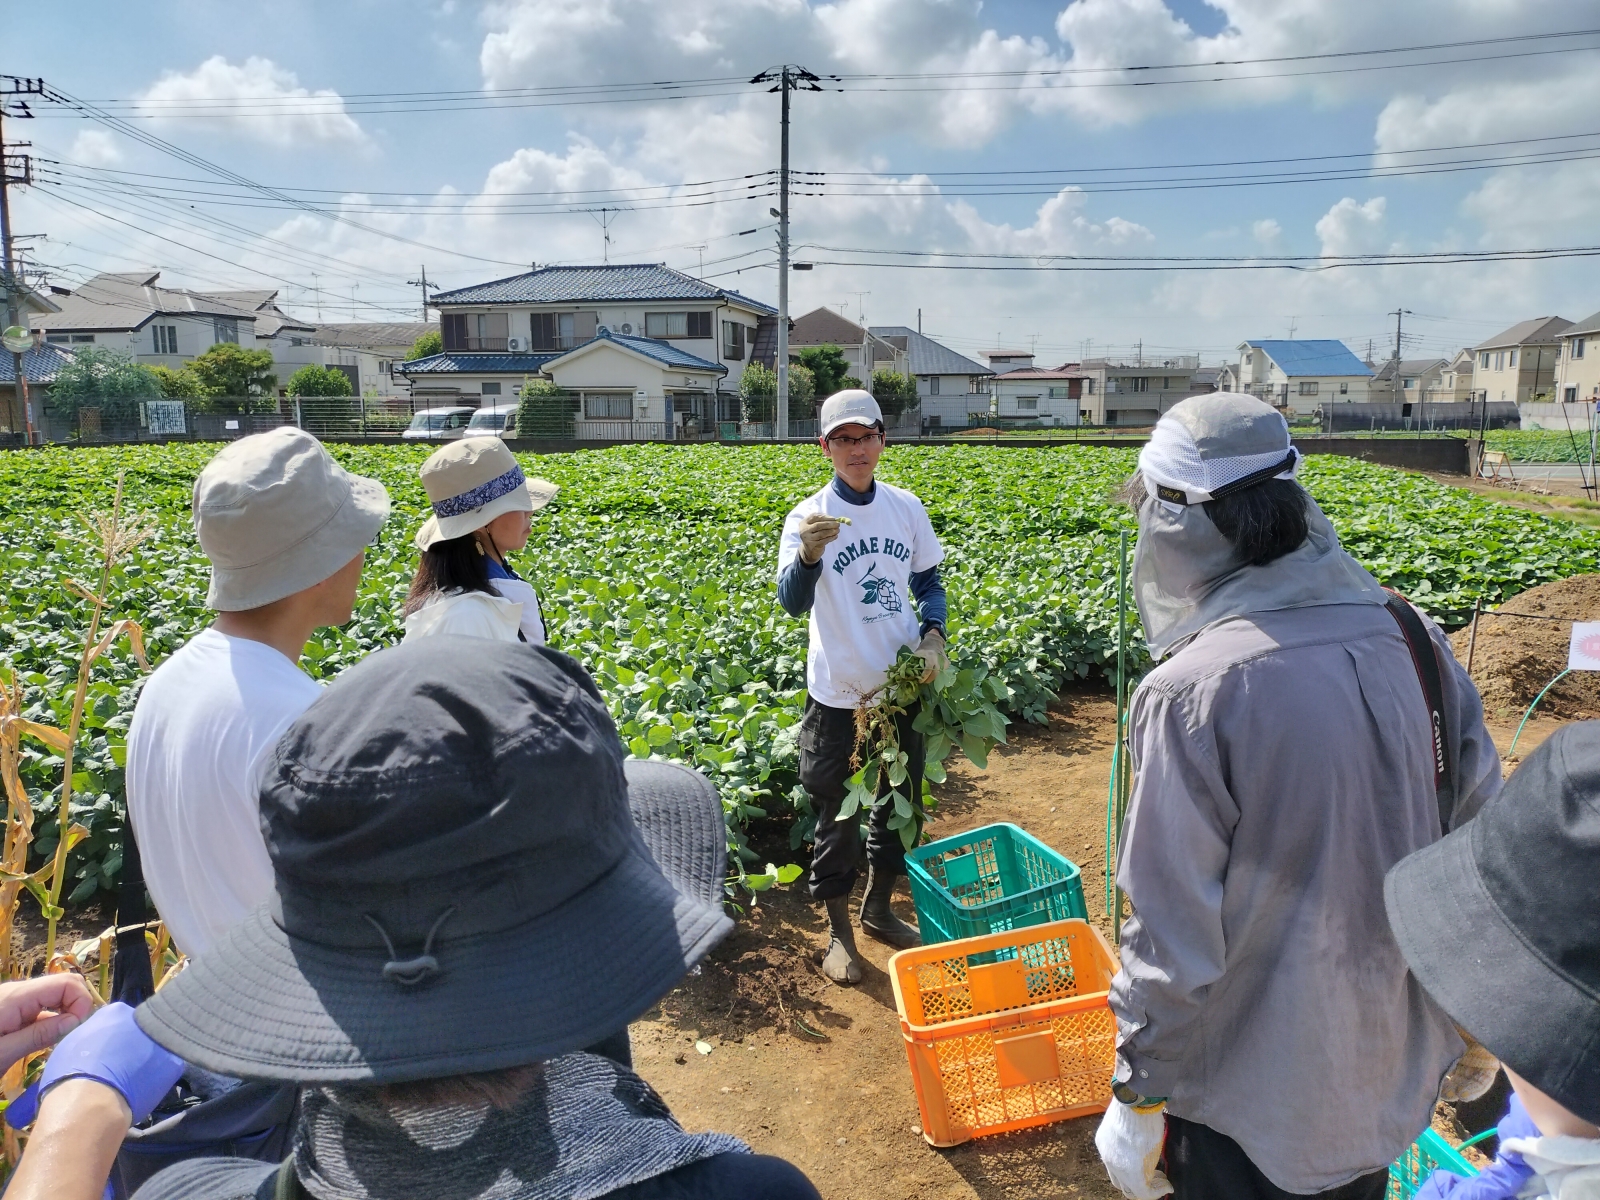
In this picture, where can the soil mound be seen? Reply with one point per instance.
(1516, 657)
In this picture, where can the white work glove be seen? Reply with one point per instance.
(1129, 1140)
(1473, 1074)
(934, 658)
(816, 531)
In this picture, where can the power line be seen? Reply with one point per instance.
(1143, 263)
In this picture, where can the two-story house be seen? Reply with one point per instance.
(863, 350)
(132, 315)
(1302, 375)
(1118, 392)
(1421, 381)
(1039, 395)
(635, 341)
(1518, 365)
(950, 386)
(368, 352)
(1578, 362)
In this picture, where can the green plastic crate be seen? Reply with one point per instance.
(1428, 1153)
(991, 880)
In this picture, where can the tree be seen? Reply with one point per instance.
(758, 391)
(545, 411)
(180, 384)
(311, 380)
(893, 391)
(235, 379)
(97, 377)
(431, 342)
(827, 365)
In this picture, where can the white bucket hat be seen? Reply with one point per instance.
(275, 514)
(471, 482)
(853, 406)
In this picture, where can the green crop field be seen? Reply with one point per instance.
(656, 568)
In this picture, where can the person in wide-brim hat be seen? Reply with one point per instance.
(470, 881)
(1500, 923)
(483, 510)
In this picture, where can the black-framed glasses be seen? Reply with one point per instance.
(853, 442)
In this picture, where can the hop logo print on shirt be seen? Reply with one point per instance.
(879, 591)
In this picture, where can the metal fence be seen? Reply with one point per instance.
(1420, 417)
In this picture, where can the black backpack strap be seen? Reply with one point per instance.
(131, 980)
(1425, 658)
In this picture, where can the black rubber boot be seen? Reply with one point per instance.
(840, 964)
(878, 919)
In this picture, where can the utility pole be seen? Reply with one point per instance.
(1294, 323)
(1394, 388)
(788, 78)
(424, 285)
(15, 169)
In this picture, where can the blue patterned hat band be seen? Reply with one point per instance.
(500, 485)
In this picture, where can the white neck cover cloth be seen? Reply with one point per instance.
(1186, 575)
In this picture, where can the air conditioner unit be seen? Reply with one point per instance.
(516, 345)
(601, 331)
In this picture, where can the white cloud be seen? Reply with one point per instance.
(280, 112)
(1266, 231)
(1350, 227)
(1059, 227)
(96, 148)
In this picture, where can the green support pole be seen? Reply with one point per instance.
(1119, 771)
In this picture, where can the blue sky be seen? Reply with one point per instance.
(114, 204)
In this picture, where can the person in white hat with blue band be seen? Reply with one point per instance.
(483, 510)
(858, 584)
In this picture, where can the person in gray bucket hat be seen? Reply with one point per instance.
(1270, 1040)
(471, 884)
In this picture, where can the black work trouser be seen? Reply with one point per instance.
(827, 742)
(1203, 1164)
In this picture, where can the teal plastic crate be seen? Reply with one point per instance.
(1427, 1154)
(991, 880)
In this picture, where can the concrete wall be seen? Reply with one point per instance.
(1575, 417)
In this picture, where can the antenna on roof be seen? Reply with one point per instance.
(605, 215)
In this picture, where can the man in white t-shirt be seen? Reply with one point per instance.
(285, 529)
(858, 583)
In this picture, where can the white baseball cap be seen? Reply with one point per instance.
(853, 406)
(275, 514)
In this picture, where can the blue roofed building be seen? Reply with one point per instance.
(1304, 374)
(632, 341)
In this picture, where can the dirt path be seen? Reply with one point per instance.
(818, 1074)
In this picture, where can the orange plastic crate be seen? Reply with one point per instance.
(1009, 1030)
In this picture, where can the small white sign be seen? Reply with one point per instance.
(1585, 652)
(230, 424)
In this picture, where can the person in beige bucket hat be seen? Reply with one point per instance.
(483, 509)
(285, 528)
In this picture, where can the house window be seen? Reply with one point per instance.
(666, 325)
(974, 385)
(89, 337)
(1088, 387)
(225, 329)
(1483, 360)
(933, 385)
(1577, 347)
(1500, 361)
(165, 338)
(453, 330)
(1058, 393)
(1344, 389)
(491, 389)
(1140, 383)
(1511, 360)
(58, 339)
(1572, 395)
(1308, 387)
(607, 406)
(1407, 383)
(562, 331)
(700, 325)
(1027, 404)
(732, 338)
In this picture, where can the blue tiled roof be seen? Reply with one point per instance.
(616, 283)
(1321, 356)
(455, 363)
(39, 365)
(663, 352)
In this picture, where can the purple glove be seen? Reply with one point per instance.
(1500, 1180)
(111, 1048)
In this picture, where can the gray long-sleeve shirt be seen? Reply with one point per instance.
(1283, 763)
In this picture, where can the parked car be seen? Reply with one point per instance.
(494, 420)
(438, 424)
